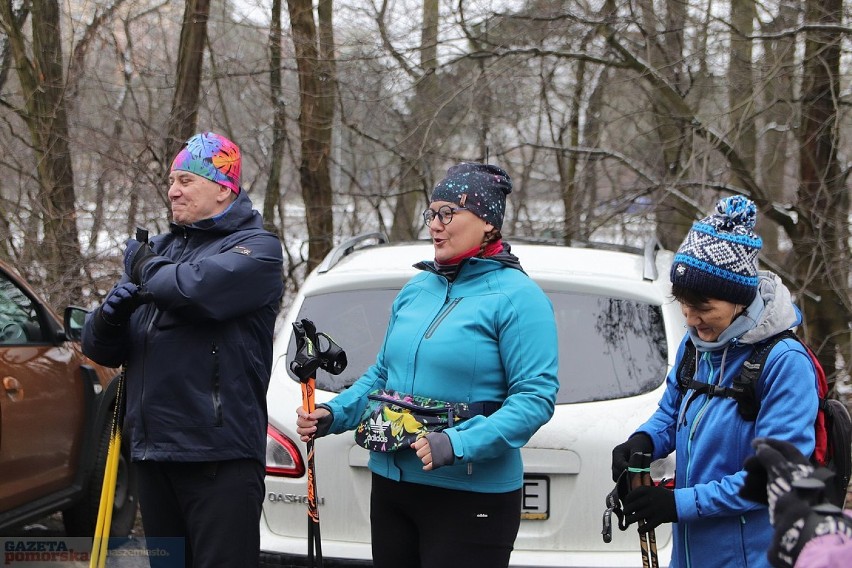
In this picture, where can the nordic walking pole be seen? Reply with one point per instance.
(313, 511)
(651, 534)
(304, 366)
(100, 542)
(639, 468)
(311, 354)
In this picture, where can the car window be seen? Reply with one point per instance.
(608, 347)
(18, 315)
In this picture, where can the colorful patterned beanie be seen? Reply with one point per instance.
(211, 156)
(718, 258)
(480, 188)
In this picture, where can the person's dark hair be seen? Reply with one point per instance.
(688, 296)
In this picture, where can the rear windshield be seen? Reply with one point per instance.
(608, 347)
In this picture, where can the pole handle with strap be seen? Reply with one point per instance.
(639, 474)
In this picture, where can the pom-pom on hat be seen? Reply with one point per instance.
(211, 156)
(718, 258)
(479, 188)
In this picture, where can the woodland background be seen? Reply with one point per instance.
(619, 121)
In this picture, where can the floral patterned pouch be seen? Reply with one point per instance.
(394, 420)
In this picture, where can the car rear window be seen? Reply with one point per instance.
(608, 347)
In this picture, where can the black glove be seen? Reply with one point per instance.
(324, 423)
(777, 464)
(120, 304)
(639, 442)
(796, 494)
(654, 504)
(442, 449)
(136, 256)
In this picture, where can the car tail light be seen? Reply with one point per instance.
(282, 455)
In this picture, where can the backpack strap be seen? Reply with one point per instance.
(743, 388)
(686, 378)
(686, 368)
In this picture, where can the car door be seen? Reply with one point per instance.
(41, 397)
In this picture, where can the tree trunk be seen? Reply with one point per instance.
(413, 185)
(183, 116)
(665, 53)
(567, 164)
(823, 197)
(43, 85)
(315, 63)
(741, 101)
(279, 124)
(779, 116)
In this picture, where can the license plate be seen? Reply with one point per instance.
(535, 505)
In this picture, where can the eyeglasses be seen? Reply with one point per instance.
(444, 214)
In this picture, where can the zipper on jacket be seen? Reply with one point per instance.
(689, 453)
(692, 429)
(217, 402)
(144, 357)
(700, 414)
(441, 317)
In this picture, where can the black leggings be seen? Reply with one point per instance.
(419, 526)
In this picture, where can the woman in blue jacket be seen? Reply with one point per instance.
(472, 327)
(729, 306)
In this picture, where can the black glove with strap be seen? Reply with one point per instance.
(795, 492)
(640, 442)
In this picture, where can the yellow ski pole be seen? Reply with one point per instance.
(100, 542)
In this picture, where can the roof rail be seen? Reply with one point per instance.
(649, 272)
(348, 247)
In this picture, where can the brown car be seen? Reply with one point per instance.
(56, 409)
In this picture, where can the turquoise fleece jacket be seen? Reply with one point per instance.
(489, 335)
(716, 527)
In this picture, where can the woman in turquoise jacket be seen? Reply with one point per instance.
(472, 327)
(729, 307)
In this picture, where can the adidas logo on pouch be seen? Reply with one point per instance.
(377, 429)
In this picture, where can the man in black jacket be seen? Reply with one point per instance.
(192, 320)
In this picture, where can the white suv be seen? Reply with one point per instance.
(618, 334)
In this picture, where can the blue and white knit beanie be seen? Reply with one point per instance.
(479, 188)
(718, 258)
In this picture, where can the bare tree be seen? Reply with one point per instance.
(43, 107)
(279, 121)
(416, 162)
(183, 117)
(823, 202)
(314, 45)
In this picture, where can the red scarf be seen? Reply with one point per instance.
(490, 250)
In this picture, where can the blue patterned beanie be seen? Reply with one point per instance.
(479, 188)
(718, 258)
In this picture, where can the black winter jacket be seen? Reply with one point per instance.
(199, 356)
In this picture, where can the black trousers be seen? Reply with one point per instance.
(418, 526)
(201, 515)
